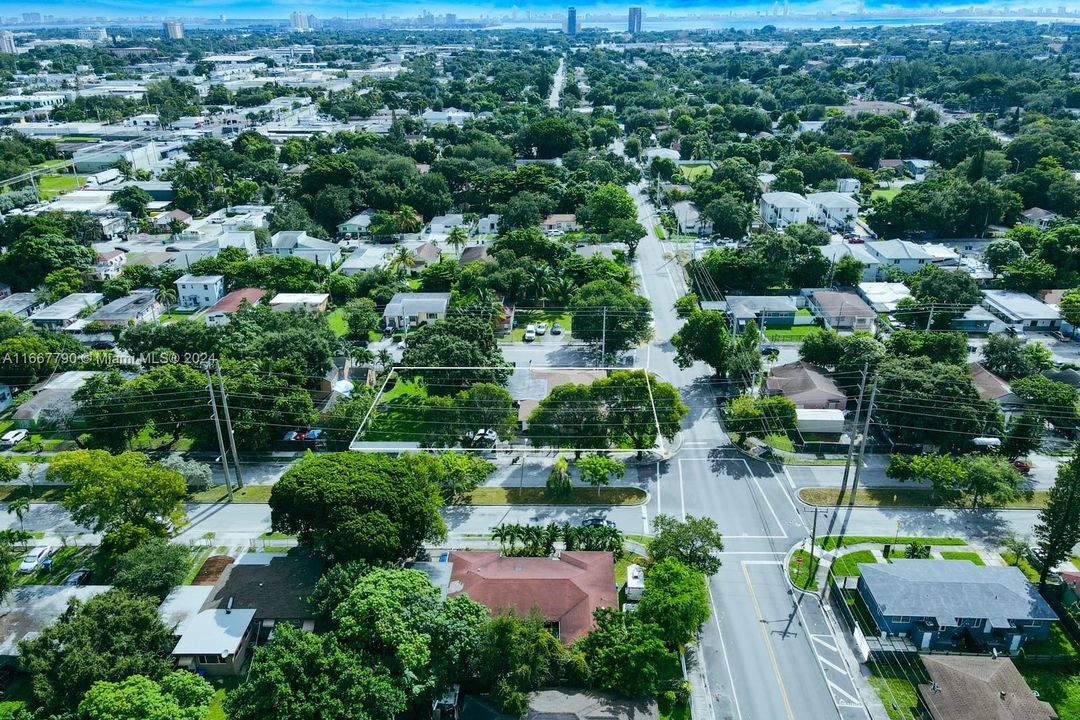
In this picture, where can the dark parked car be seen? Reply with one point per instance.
(597, 522)
(78, 577)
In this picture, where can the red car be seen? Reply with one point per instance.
(1022, 466)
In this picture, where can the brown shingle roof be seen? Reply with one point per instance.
(566, 589)
(979, 688)
(802, 381)
(987, 384)
(277, 590)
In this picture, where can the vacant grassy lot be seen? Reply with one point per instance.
(887, 193)
(959, 555)
(895, 688)
(49, 186)
(524, 317)
(848, 565)
(693, 172)
(1057, 685)
(791, 333)
(831, 542)
(904, 497)
(539, 496)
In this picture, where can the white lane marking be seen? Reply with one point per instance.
(848, 696)
(723, 650)
(790, 482)
(768, 504)
(818, 639)
(821, 665)
(682, 495)
(658, 493)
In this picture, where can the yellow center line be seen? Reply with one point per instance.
(768, 644)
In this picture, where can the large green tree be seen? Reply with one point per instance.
(676, 599)
(695, 542)
(300, 675)
(625, 655)
(110, 637)
(179, 695)
(610, 316)
(1058, 530)
(359, 506)
(126, 496)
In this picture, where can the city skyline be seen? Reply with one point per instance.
(211, 11)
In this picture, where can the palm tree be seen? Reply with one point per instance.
(405, 220)
(166, 295)
(561, 289)
(457, 239)
(20, 506)
(402, 259)
(538, 280)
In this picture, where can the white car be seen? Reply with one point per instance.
(33, 558)
(13, 437)
(530, 333)
(541, 328)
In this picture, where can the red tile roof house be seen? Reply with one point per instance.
(226, 306)
(566, 589)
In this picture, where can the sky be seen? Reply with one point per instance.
(340, 8)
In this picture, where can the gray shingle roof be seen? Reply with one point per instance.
(949, 589)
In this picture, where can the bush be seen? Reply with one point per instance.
(152, 568)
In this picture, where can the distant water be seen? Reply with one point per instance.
(780, 22)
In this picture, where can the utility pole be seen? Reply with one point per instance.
(813, 541)
(603, 339)
(862, 445)
(220, 440)
(851, 442)
(228, 427)
(930, 318)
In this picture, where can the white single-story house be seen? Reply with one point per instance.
(297, 243)
(488, 225)
(316, 302)
(215, 641)
(689, 219)
(1021, 309)
(883, 296)
(109, 264)
(566, 222)
(837, 251)
(1038, 218)
(418, 308)
(65, 311)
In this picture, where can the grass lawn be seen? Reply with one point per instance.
(793, 333)
(246, 494)
(829, 542)
(897, 691)
(905, 497)
(198, 557)
(1058, 686)
(539, 496)
(401, 413)
(217, 703)
(1027, 568)
(49, 186)
(857, 606)
(645, 540)
(693, 172)
(1057, 643)
(174, 315)
(524, 317)
(959, 555)
(659, 232)
(336, 321)
(887, 193)
(801, 569)
(36, 440)
(848, 565)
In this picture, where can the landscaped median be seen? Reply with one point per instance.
(540, 496)
(904, 497)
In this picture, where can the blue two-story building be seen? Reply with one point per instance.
(939, 603)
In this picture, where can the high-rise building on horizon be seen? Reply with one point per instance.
(7, 42)
(633, 20)
(571, 21)
(298, 22)
(31, 17)
(173, 30)
(93, 34)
